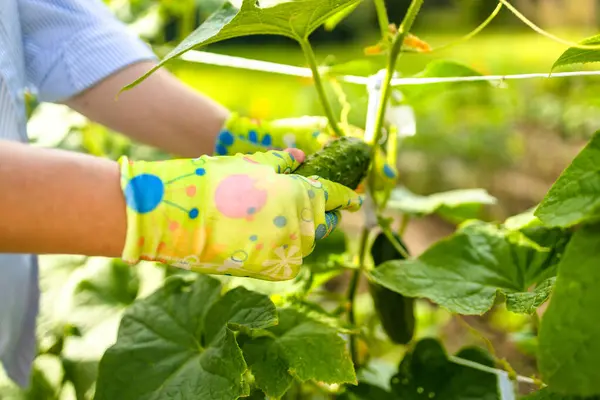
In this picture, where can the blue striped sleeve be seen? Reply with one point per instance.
(70, 45)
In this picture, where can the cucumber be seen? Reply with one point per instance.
(395, 311)
(344, 160)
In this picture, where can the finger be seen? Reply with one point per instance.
(324, 225)
(331, 221)
(282, 162)
(298, 154)
(336, 196)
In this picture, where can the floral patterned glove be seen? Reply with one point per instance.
(309, 134)
(241, 215)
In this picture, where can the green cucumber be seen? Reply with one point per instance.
(344, 161)
(395, 311)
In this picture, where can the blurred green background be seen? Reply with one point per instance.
(513, 141)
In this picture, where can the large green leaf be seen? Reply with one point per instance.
(427, 373)
(575, 196)
(460, 204)
(180, 343)
(297, 347)
(569, 348)
(296, 19)
(575, 55)
(464, 272)
(524, 220)
(540, 264)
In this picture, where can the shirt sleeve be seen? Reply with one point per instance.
(70, 45)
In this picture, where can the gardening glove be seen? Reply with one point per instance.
(242, 215)
(309, 134)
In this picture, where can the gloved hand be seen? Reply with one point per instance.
(241, 215)
(309, 134)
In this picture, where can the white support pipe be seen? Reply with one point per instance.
(203, 57)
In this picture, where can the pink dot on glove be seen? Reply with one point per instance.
(237, 197)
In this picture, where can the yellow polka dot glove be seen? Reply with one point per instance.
(242, 215)
(309, 134)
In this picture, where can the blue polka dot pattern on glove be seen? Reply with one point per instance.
(226, 140)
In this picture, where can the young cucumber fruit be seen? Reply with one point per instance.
(344, 160)
(395, 311)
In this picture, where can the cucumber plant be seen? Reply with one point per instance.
(199, 337)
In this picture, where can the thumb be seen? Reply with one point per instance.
(282, 162)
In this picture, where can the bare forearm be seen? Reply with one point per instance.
(161, 111)
(57, 202)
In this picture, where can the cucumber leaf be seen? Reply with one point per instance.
(575, 196)
(467, 270)
(299, 347)
(568, 348)
(579, 56)
(541, 265)
(294, 19)
(180, 343)
(524, 220)
(427, 373)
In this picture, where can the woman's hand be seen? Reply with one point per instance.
(309, 134)
(241, 215)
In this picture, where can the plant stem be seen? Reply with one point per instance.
(388, 233)
(405, 26)
(382, 18)
(395, 50)
(535, 320)
(403, 224)
(312, 63)
(403, 30)
(352, 288)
